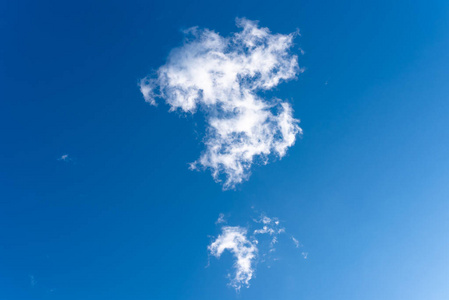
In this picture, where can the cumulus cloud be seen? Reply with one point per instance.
(235, 240)
(223, 78)
(247, 246)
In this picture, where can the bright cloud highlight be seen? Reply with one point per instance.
(222, 77)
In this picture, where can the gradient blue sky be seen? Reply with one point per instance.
(365, 190)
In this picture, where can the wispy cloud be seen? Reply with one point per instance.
(64, 157)
(271, 227)
(221, 219)
(223, 77)
(296, 242)
(33, 281)
(235, 240)
(247, 246)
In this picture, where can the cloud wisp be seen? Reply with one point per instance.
(224, 78)
(234, 239)
(246, 246)
(271, 226)
(64, 157)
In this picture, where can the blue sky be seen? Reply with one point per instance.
(364, 189)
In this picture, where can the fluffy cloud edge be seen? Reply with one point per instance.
(222, 77)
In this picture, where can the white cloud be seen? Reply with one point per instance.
(248, 248)
(271, 227)
(223, 77)
(263, 230)
(221, 219)
(235, 240)
(64, 157)
(296, 242)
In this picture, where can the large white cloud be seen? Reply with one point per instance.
(223, 77)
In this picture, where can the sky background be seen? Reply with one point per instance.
(365, 189)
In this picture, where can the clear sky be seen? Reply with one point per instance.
(97, 200)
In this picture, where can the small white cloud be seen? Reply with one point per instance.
(248, 248)
(304, 254)
(64, 157)
(295, 241)
(263, 230)
(223, 77)
(265, 220)
(221, 219)
(235, 240)
(270, 227)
